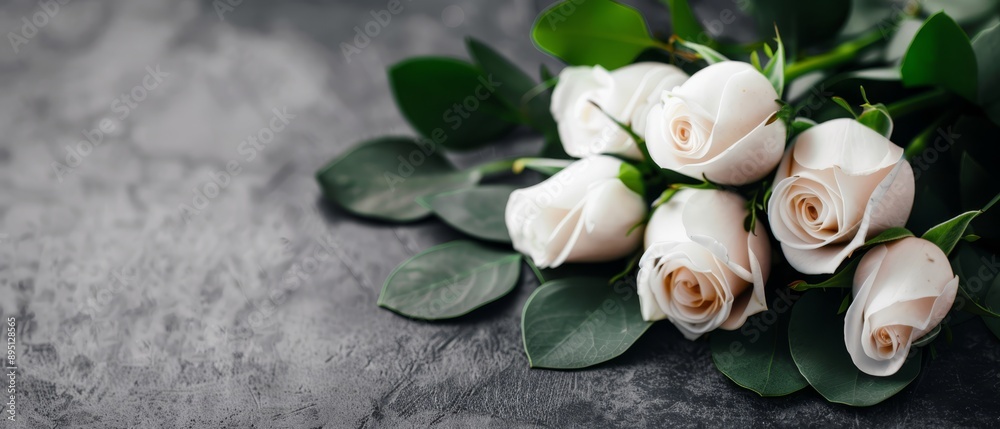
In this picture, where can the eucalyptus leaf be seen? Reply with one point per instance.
(451, 101)
(815, 338)
(382, 178)
(516, 87)
(478, 211)
(685, 24)
(986, 46)
(756, 357)
(941, 55)
(593, 32)
(802, 24)
(579, 322)
(450, 280)
(947, 234)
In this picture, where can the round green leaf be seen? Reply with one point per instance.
(450, 280)
(579, 322)
(941, 55)
(756, 357)
(816, 340)
(450, 101)
(516, 86)
(382, 178)
(987, 46)
(477, 211)
(592, 32)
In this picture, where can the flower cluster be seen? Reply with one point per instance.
(839, 184)
(735, 199)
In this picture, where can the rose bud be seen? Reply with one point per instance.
(624, 94)
(719, 124)
(902, 290)
(839, 184)
(701, 269)
(583, 213)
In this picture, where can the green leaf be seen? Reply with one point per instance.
(891, 234)
(478, 211)
(706, 53)
(941, 55)
(579, 322)
(517, 86)
(757, 357)
(382, 178)
(594, 32)
(968, 13)
(947, 234)
(450, 280)
(685, 24)
(986, 46)
(841, 279)
(875, 116)
(845, 304)
(928, 337)
(775, 68)
(632, 178)
(451, 101)
(815, 337)
(802, 23)
(847, 106)
(975, 308)
(799, 125)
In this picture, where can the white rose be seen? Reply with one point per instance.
(716, 125)
(701, 269)
(838, 185)
(623, 93)
(581, 214)
(902, 290)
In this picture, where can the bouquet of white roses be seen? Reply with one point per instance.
(747, 193)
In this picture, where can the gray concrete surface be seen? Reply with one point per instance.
(129, 317)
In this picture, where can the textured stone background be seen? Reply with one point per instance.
(129, 317)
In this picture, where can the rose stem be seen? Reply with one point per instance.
(836, 56)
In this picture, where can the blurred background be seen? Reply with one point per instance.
(169, 262)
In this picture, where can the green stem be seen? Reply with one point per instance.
(837, 56)
(496, 167)
(918, 102)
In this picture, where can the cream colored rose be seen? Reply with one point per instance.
(716, 125)
(581, 214)
(839, 184)
(623, 93)
(902, 290)
(701, 269)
